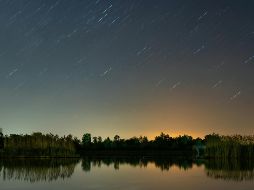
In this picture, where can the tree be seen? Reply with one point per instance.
(163, 141)
(39, 144)
(86, 139)
(1, 140)
(95, 140)
(116, 138)
(107, 143)
(99, 139)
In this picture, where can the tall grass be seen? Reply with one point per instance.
(38, 144)
(236, 146)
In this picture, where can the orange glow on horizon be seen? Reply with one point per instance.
(175, 134)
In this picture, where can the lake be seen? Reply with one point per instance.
(126, 173)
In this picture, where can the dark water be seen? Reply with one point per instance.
(126, 173)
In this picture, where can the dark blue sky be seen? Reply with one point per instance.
(127, 66)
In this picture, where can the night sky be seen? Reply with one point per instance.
(127, 67)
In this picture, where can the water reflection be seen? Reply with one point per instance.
(232, 169)
(163, 164)
(34, 170)
(235, 170)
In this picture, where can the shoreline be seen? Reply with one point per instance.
(141, 154)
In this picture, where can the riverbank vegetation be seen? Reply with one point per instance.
(237, 146)
(49, 145)
(38, 144)
(161, 142)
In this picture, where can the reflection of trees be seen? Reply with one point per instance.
(86, 165)
(217, 168)
(116, 162)
(232, 169)
(33, 170)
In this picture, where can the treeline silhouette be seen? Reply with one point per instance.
(161, 142)
(212, 146)
(38, 144)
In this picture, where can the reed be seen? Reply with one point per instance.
(236, 146)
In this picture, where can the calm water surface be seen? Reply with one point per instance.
(125, 173)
